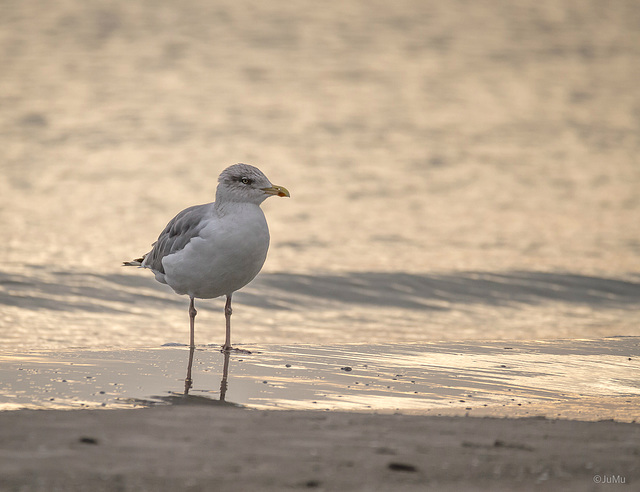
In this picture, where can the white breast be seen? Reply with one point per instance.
(227, 254)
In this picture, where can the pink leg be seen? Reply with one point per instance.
(192, 322)
(227, 315)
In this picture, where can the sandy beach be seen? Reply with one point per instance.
(551, 415)
(203, 448)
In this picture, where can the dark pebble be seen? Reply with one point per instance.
(404, 467)
(88, 440)
(346, 368)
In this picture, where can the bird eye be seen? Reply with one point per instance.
(246, 181)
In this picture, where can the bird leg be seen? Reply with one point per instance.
(227, 316)
(192, 322)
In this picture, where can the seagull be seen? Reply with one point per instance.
(215, 249)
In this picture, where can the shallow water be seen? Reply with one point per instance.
(584, 379)
(61, 309)
(458, 170)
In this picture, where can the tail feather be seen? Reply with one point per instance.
(137, 262)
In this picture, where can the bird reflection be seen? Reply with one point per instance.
(188, 381)
(176, 398)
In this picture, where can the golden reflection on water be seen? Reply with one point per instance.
(486, 379)
(413, 142)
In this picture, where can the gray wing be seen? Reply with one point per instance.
(179, 231)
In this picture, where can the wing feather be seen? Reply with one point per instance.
(176, 235)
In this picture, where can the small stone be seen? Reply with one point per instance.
(403, 467)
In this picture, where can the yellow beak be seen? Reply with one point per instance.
(277, 191)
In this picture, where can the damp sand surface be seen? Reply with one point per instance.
(484, 415)
(581, 379)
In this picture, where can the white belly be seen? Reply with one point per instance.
(227, 255)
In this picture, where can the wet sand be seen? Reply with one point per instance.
(578, 379)
(422, 417)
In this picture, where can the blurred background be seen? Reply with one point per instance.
(461, 169)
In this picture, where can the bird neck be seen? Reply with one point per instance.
(227, 207)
